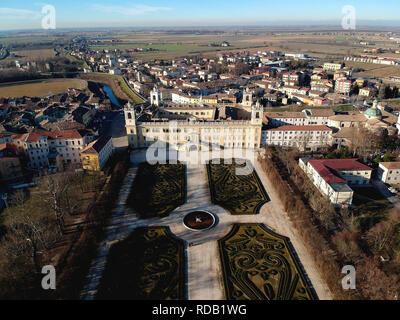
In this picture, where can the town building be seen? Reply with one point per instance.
(334, 177)
(304, 138)
(332, 66)
(95, 156)
(191, 133)
(389, 172)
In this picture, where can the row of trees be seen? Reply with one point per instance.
(332, 235)
(31, 226)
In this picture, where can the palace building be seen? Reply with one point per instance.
(187, 128)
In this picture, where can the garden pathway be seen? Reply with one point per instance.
(204, 275)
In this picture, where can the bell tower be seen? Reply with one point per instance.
(247, 98)
(155, 97)
(257, 114)
(131, 125)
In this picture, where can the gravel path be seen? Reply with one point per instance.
(204, 276)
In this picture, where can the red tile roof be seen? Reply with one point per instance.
(327, 168)
(301, 128)
(57, 134)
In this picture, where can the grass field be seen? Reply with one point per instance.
(258, 264)
(371, 207)
(41, 88)
(373, 70)
(34, 55)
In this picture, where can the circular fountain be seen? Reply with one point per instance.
(199, 221)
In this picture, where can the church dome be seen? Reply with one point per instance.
(373, 112)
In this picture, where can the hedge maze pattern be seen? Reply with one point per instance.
(149, 265)
(239, 194)
(259, 264)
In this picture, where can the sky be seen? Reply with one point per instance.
(24, 14)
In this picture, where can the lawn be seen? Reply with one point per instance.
(371, 207)
(41, 88)
(158, 189)
(258, 264)
(239, 194)
(148, 265)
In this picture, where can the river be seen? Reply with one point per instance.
(111, 96)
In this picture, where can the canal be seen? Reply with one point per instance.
(111, 96)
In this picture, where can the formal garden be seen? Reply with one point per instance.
(236, 187)
(148, 265)
(258, 264)
(157, 190)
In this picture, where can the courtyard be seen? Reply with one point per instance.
(205, 270)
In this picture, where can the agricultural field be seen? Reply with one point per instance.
(33, 55)
(241, 193)
(258, 264)
(40, 88)
(373, 70)
(158, 190)
(148, 265)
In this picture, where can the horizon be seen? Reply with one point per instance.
(22, 15)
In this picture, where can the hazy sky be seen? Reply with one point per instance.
(23, 14)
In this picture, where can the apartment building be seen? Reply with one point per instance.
(53, 148)
(333, 177)
(389, 172)
(95, 156)
(343, 86)
(332, 66)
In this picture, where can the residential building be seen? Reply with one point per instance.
(333, 177)
(332, 66)
(389, 172)
(95, 156)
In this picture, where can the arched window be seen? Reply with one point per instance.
(129, 115)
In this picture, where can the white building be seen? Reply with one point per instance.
(305, 138)
(191, 132)
(332, 66)
(49, 149)
(333, 177)
(306, 117)
(389, 172)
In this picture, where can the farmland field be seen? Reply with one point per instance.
(34, 55)
(41, 88)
